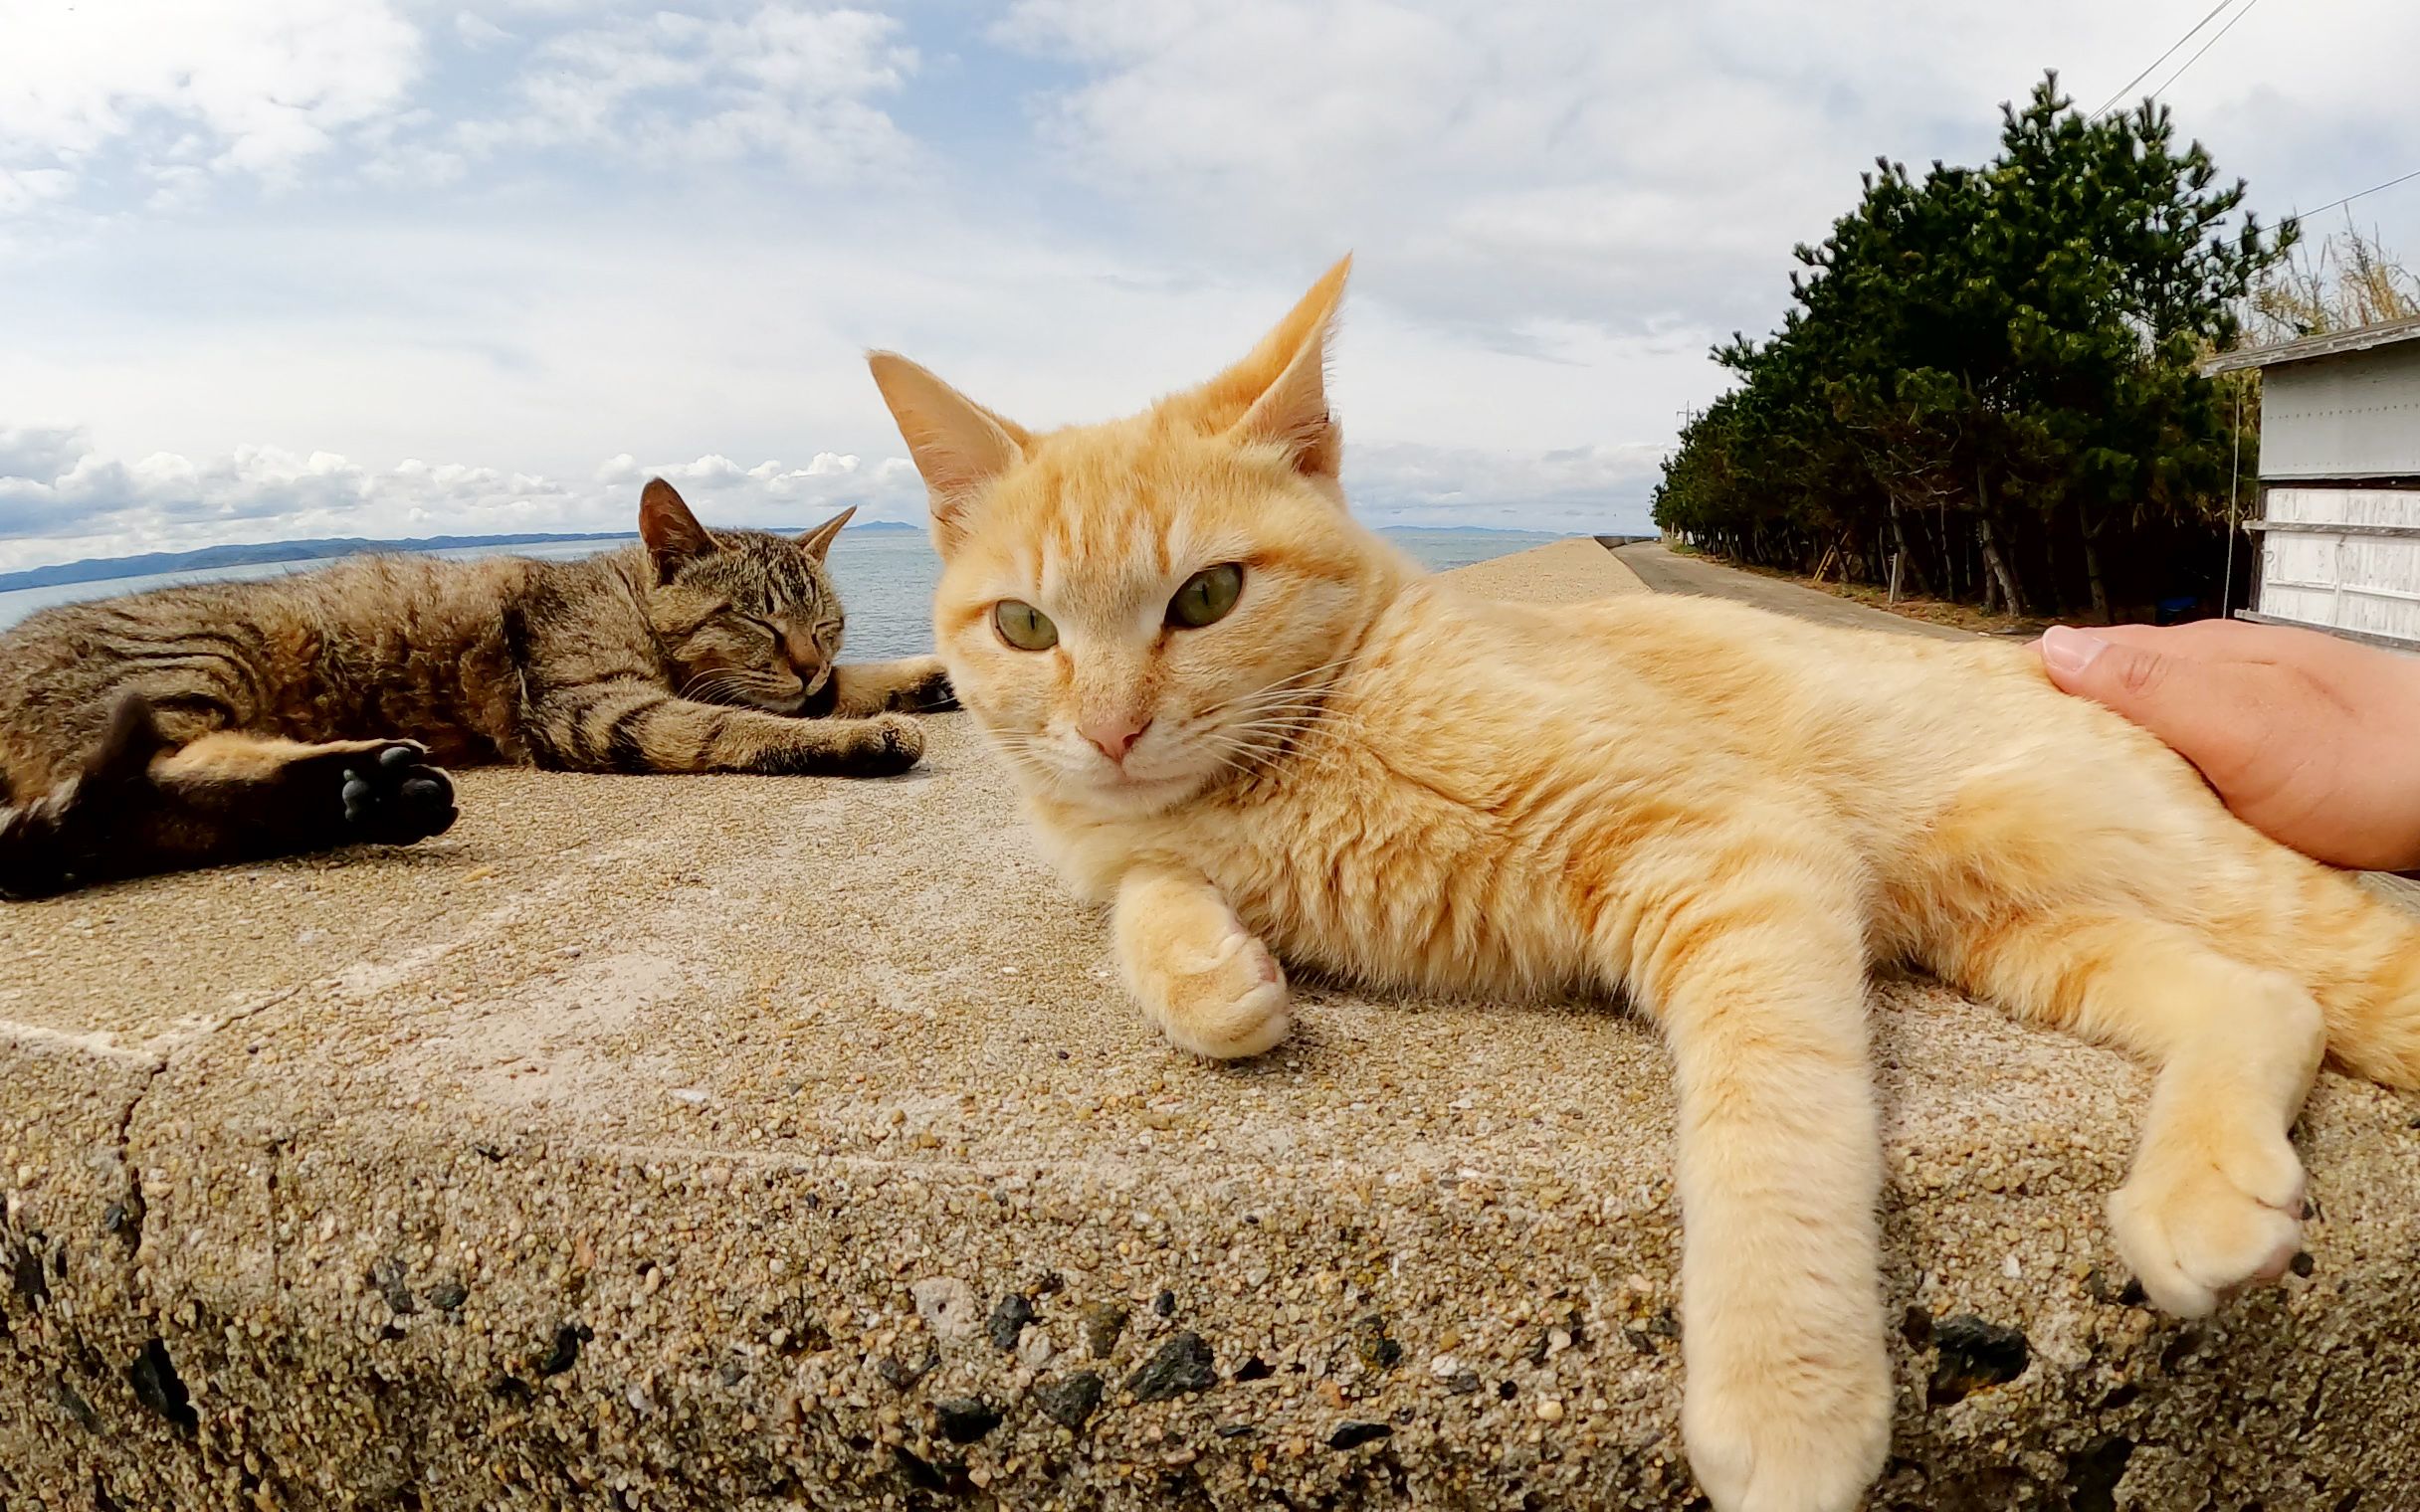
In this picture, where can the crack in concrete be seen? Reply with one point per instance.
(126, 1163)
(277, 1248)
(161, 1050)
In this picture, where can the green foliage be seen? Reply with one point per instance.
(1991, 371)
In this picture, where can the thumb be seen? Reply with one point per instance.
(2199, 709)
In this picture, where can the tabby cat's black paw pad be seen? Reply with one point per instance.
(395, 797)
(933, 695)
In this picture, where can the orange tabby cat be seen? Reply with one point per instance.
(1257, 731)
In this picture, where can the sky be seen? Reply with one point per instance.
(273, 269)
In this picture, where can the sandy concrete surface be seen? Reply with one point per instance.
(1565, 572)
(771, 1143)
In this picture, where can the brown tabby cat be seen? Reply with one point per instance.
(233, 721)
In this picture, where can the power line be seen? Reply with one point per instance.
(2190, 33)
(2162, 58)
(2304, 215)
(2205, 47)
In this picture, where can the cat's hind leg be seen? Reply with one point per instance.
(2214, 1199)
(50, 842)
(235, 796)
(142, 805)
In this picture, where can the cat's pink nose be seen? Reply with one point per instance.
(1115, 737)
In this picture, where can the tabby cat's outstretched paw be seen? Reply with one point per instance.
(884, 745)
(889, 745)
(390, 796)
(931, 694)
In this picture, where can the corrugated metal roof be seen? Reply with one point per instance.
(2332, 344)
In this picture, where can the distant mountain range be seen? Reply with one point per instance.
(1551, 535)
(101, 569)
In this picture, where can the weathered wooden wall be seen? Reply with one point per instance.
(2346, 559)
(2341, 465)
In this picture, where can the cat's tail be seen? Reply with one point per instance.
(2362, 955)
(51, 842)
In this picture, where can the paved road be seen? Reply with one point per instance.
(1664, 572)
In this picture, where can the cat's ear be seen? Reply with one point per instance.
(673, 534)
(959, 446)
(1282, 388)
(819, 541)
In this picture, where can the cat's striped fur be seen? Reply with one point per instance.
(230, 721)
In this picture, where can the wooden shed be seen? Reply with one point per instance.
(2338, 516)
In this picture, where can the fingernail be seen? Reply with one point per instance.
(2068, 651)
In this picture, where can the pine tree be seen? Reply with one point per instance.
(1991, 372)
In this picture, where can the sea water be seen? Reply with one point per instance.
(885, 578)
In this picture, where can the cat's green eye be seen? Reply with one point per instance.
(1207, 596)
(1023, 626)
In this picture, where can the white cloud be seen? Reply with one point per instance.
(23, 188)
(791, 82)
(546, 232)
(32, 451)
(263, 88)
(1594, 490)
(254, 89)
(63, 500)
(1612, 162)
(477, 31)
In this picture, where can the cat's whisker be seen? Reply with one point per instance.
(721, 686)
(1287, 685)
(1299, 716)
(1290, 723)
(1277, 708)
(1277, 711)
(1276, 698)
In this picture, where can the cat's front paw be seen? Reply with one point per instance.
(2211, 1207)
(929, 693)
(1226, 1001)
(1787, 1426)
(886, 746)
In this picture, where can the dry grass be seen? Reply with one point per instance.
(2344, 281)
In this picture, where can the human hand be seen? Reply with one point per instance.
(2311, 739)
